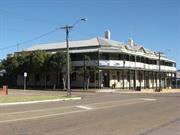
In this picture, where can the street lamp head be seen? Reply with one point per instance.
(83, 19)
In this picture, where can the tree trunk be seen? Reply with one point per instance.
(87, 83)
(64, 82)
(45, 81)
(95, 80)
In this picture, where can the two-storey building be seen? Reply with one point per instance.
(115, 64)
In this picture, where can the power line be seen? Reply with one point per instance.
(29, 40)
(26, 18)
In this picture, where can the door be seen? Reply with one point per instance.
(106, 79)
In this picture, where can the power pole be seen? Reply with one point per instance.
(17, 47)
(67, 29)
(159, 53)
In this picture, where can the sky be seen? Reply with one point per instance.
(155, 24)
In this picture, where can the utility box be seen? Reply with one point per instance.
(138, 88)
(4, 90)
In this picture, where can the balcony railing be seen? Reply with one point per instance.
(125, 64)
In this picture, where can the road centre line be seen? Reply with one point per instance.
(82, 109)
(59, 114)
(148, 99)
(115, 101)
(42, 116)
(56, 108)
(37, 110)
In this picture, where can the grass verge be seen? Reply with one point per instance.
(13, 99)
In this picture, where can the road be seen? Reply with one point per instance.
(96, 114)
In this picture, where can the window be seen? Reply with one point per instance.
(118, 76)
(47, 78)
(138, 59)
(142, 59)
(120, 56)
(74, 57)
(97, 76)
(73, 76)
(37, 77)
(114, 56)
(132, 58)
(80, 56)
(154, 62)
(105, 56)
(126, 57)
(146, 60)
(162, 62)
(92, 76)
(173, 64)
(150, 61)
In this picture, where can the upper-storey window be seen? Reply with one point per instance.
(174, 64)
(74, 57)
(154, 62)
(121, 57)
(104, 56)
(114, 56)
(162, 62)
(132, 58)
(126, 57)
(138, 59)
(81, 56)
(171, 64)
(142, 59)
(150, 61)
(146, 60)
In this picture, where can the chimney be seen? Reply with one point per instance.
(130, 42)
(107, 35)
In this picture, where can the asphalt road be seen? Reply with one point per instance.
(96, 114)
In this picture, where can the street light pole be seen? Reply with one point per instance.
(67, 29)
(159, 74)
(159, 71)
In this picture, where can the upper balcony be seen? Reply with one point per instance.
(136, 65)
(124, 64)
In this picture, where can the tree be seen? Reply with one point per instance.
(11, 66)
(1, 65)
(37, 60)
(58, 64)
(46, 67)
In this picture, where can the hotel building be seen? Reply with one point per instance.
(113, 64)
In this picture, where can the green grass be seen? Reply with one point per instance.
(12, 99)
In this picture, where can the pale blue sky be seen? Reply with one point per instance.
(152, 23)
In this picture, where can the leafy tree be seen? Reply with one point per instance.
(11, 66)
(58, 64)
(85, 71)
(1, 65)
(46, 67)
(37, 60)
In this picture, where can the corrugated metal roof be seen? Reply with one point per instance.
(62, 45)
(105, 44)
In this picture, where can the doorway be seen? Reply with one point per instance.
(106, 79)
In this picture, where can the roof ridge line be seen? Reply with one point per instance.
(98, 40)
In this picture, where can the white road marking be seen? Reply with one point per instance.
(148, 99)
(38, 117)
(84, 107)
(40, 101)
(37, 110)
